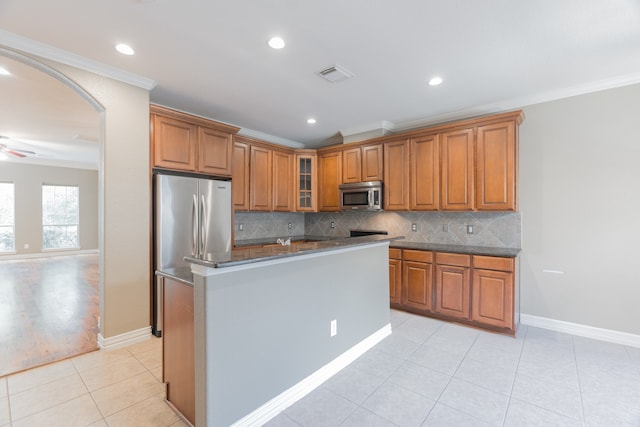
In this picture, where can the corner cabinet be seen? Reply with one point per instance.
(183, 142)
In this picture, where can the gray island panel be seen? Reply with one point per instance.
(263, 327)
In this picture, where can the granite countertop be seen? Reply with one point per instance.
(272, 240)
(181, 274)
(240, 256)
(457, 249)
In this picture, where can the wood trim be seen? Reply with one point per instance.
(193, 119)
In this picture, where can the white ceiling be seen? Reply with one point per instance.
(212, 59)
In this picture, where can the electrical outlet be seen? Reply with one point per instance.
(445, 228)
(469, 229)
(414, 227)
(290, 226)
(334, 328)
(26, 246)
(333, 224)
(240, 227)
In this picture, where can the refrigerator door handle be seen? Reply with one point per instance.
(194, 227)
(203, 228)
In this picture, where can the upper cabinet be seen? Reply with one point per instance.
(262, 177)
(329, 178)
(240, 176)
(456, 170)
(306, 190)
(424, 173)
(184, 142)
(396, 175)
(496, 160)
(363, 163)
(470, 165)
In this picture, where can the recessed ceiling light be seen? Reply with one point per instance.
(435, 81)
(4, 72)
(311, 121)
(124, 49)
(276, 42)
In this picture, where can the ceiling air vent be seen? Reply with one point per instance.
(335, 74)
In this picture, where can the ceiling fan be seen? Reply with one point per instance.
(14, 152)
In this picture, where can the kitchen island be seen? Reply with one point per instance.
(271, 324)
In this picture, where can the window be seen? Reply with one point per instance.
(7, 217)
(59, 217)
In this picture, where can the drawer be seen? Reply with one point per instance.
(419, 256)
(446, 258)
(492, 263)
(395, 253)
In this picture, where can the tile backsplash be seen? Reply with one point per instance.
(494, 229)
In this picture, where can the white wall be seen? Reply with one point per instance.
(580, 204)
(124, 201)
(28, 180)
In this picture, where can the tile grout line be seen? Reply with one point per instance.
(89, 392)
(513, 383)
(575, 359)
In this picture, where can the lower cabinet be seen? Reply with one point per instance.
(493, 291)
(417, 280)
(452, 285)
(178, 357)
(474, 289)
(395, 277)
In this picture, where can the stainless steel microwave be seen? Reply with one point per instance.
(361, 196)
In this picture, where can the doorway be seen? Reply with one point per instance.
(49, 298)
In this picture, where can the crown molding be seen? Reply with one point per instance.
(270, 138)
(520, 102)
(15, 42)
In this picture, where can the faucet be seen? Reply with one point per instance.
(284, 242)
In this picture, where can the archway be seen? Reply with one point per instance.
(49, 75)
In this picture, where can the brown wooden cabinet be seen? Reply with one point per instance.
(306, 172)
(282, 181)
(457, 170)
(174, 143)
(260, 179)
(493, 291)
(329, 177)
(351, 165)
(452, 280)
(474, 289)
(178, 353)
(214, 152)
(417, 280)
(496, 162)
(424, 172)
(240, 177)
(395, 277)
(363, 163)
(396, 175)
(189, 143)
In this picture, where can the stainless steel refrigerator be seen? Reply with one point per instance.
(192, 217)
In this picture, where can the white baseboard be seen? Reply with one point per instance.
(49, 254)
(601, 334)
(125, 339)
(279, 403)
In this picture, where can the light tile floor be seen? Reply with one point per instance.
(427, 373)
(432, 373)
(120, 387)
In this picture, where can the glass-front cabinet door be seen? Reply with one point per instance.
(306, 187)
